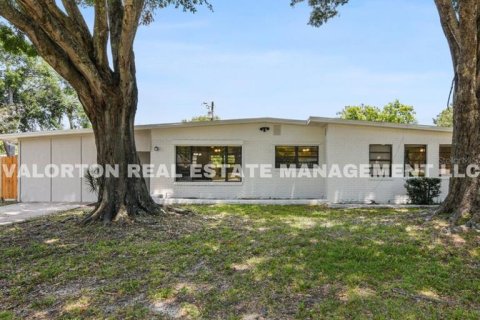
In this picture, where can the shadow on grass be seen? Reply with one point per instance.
(252, 262)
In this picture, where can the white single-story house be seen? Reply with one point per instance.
(248, 142)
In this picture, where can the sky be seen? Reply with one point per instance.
(259, 58)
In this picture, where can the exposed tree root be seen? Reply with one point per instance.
(474, 222)
(457, 214)
(106, 213)
(175, 210)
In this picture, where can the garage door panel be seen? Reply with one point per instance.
(35, 156)
(66, 152)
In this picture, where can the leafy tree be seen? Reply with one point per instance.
(398, 113)
(460, 24)
(362, 112)
(100, 66)
(33, 97)
(394, 112)
(444, 118)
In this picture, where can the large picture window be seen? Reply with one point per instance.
(208, 163)
(380, 156)
(297, 156)
(415, 160)
(445, 160)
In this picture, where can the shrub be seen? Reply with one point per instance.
(423, 190)
(92, 182)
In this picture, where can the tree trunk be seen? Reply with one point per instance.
(463, 196)
(461, 26)
(124, 196)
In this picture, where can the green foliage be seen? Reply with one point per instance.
(186, 5)
(33, 96)
(322, 10)
(394, 112)
(153, 5)
(423, 190)
(92, 182)
(201, 119)
(444, 118)
(14, 41)
(362, 112)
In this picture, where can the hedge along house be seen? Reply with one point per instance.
(262, 146)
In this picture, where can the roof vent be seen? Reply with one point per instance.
(277, 130)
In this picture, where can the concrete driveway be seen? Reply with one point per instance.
(19, 212)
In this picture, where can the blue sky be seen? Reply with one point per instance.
(259, 58)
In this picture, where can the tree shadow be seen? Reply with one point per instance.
(241, 261)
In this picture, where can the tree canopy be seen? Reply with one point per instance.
(394, 112)
(33, 96)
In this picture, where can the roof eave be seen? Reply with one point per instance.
(378, 124)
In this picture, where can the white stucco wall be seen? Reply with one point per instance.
(257, 148)
(338, 144)
(350, 145)
(57, 150)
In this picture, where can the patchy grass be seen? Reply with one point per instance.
(241, 262)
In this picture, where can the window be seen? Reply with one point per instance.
(380, 156)
(297, 156)
(415, 160)
(208, 163)
(445, 162)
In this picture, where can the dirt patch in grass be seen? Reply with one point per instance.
(241, 262)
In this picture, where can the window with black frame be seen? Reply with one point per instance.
(208, 163)
(296, 156)
(380, 156)
(415, 160)
(445, 159)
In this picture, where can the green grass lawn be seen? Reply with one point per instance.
(242, 262)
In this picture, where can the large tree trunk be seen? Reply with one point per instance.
(107, 89)
(463, 198)
(121, 197)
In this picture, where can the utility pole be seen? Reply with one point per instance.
(211, 109)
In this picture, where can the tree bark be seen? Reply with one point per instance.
(462, 32)
(106, 89)
(124, 196)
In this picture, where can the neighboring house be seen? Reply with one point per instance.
(249, 142)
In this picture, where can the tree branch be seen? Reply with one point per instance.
(48, 49)
(115, 15)
(131, 19)
(478, 52)
(37, 11)
(100, 35)
(450, 26)
(77, 18)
